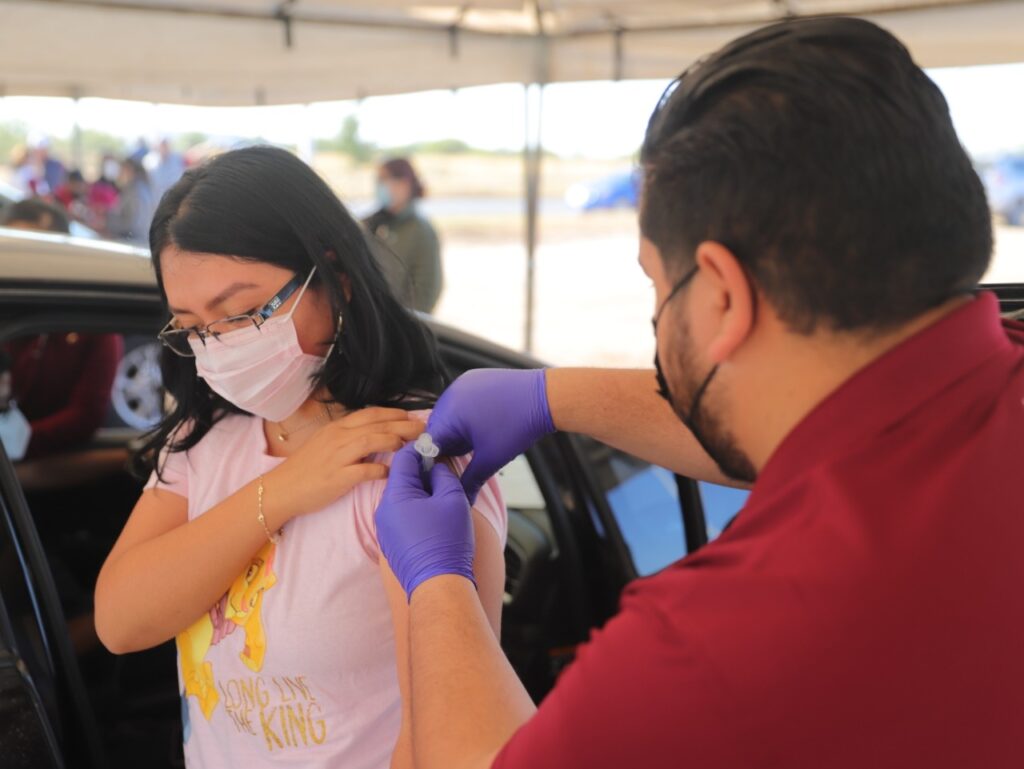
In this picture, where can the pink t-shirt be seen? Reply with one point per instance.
(296, 663)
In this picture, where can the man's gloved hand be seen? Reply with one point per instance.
(423, 532)
(495, 413)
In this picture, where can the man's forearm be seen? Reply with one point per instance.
(621, 407)
(466, 700)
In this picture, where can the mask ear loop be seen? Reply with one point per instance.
(302, 293)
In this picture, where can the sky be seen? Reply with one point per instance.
(599, 120)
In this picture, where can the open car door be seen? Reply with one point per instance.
(44, 714)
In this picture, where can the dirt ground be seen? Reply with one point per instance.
(593, 303)
(468, 175)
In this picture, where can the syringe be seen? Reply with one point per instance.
(427, 449)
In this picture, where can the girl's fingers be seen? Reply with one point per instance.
(373, 415)
(366, 471)
(408, 430)
(365, 445)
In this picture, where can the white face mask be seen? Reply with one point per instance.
(15, 432)
(261, 370)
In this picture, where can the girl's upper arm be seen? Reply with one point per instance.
(157, 512)
(489, 569)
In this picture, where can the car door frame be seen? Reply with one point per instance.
(70, 721)
(34, 308)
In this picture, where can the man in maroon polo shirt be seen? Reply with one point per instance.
(815, 234)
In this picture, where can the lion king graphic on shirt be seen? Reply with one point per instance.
(240, 607)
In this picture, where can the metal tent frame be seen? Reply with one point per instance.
(299, 51)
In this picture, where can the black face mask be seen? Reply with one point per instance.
(688, 418)
(715, 440)
(663, 389)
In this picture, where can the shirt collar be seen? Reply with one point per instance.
(889, 387)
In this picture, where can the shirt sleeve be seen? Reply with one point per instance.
(638, 695)
(489, 504)
(173, 473)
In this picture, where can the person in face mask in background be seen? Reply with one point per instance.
(129, 219)
(15, 430)
(294, 372)
(399, 224)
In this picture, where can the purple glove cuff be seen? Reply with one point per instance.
(429, 574)
(543, 416)
(435, 559)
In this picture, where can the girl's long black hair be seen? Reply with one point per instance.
(263, 204)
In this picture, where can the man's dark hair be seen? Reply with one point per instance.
(37, 213)
(826, 160)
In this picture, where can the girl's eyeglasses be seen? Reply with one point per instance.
(179, 340)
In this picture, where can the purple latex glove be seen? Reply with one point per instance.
(495, 413)
(424, 532)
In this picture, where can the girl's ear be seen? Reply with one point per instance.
(346, 281)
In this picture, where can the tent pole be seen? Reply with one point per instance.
(533, 153)
(77, 153)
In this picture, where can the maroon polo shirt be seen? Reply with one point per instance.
(865, 610)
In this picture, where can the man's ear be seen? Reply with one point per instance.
(733, 297)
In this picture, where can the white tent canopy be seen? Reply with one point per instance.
(244, 52)
(238, 52)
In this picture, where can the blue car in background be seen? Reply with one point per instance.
(1004, 183)
(621, 190)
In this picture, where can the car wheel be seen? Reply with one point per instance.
(137, 395)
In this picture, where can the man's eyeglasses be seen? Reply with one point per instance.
(179, 340)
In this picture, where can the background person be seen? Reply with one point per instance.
(36, 173)
(405, 231)
(61, 381)
(130, 218)
(165, 167)
(15, 431)
(85, 202)
(815, 233)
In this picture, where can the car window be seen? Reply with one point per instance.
(721, 504)
(522, 494)
(644, 501)
(520, 488)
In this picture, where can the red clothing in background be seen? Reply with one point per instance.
(864, 610)
(62, 385)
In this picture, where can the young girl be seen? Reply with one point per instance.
(293, 372)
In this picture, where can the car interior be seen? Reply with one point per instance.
(79, 500)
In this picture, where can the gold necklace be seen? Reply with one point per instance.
(283, 435)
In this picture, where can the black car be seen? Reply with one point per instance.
(584, 519)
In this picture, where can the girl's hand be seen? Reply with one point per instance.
(332, 462)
